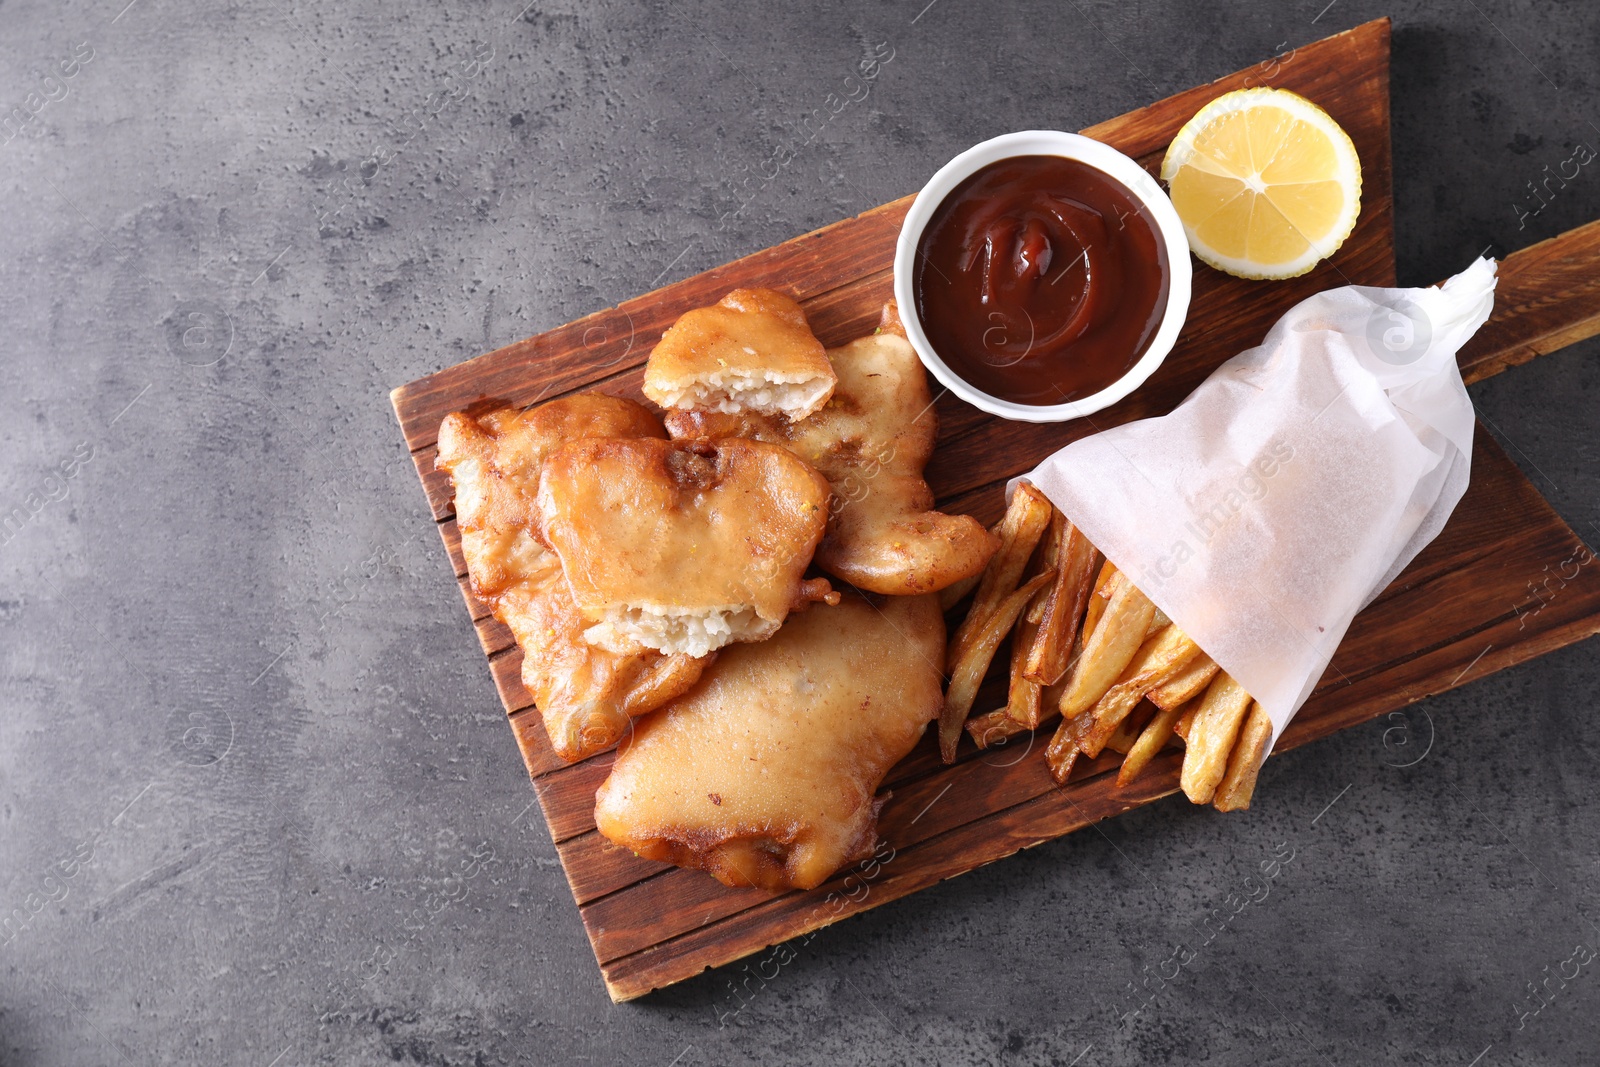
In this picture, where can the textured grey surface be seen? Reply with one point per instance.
(258, 804)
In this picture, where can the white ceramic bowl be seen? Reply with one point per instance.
(1103, 158)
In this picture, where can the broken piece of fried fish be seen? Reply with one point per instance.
(871, 442)
(764, 773)
(751, 351)
(586, 695)
(683, 546)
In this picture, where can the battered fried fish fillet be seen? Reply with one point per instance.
(683, 546)
(764, 773)
(871, 442)
(751, 351)
(586, 695)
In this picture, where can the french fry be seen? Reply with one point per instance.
(1102, 593)
(1186, 684)
(1249, 753)
(1127, 731)
(993, 727)
(1022, 697)
(1186, 720)
(1109, 649)
(1103, 587)
(1211, 736)
(967, 671)
(1023, 694)
(1063, 608)
(1024, 523)
(1157, 660)
(1157, 732)
(1158, 622)
(952, 594)
(1049, 560)
(1050, 702)
(1062, 753)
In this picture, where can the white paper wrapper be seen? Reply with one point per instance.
(1294, 483)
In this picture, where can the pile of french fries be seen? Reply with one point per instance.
(1087, 645)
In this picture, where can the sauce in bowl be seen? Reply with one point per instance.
(1041, 279)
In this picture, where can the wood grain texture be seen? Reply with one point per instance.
(1468, 605)
(1548, 297)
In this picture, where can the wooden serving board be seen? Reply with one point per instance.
(1480, 598)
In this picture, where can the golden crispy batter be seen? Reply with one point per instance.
(752, 351)
(586, 695)
(871, 442)
(764, 773)
(682, 546)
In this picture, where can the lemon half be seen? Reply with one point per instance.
(1266, 183)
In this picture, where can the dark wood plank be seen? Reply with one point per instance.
(527, 728)
(595, 867)
(652, 925)
(567, 796)
(1548, 297)
(506, 668)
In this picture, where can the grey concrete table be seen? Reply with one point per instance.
(258, 803)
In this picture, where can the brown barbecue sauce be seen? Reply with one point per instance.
(1041, 280)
